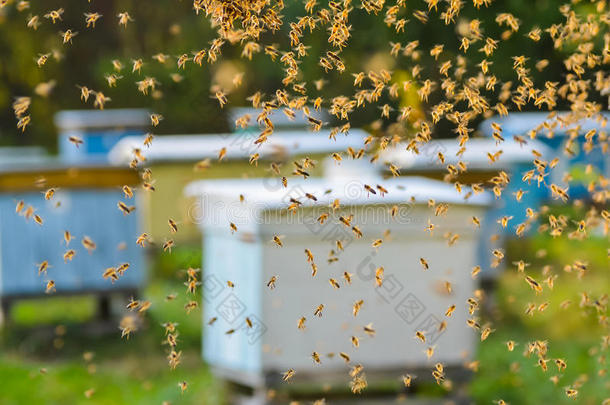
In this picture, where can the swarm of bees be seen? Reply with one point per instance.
(454, 88)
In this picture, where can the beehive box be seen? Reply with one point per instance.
(85, 203)
(555, 131)
(99, 130)
(409, 299)
(172, 159)
(515, 159)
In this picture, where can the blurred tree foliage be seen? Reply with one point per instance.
(172, 26)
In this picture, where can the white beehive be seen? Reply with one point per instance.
(408, 300)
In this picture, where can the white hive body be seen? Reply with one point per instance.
(408, 300)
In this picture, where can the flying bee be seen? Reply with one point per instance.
(276, 239)
(424, 263)
(168, 245)
(124, 208)
(38, 219)
(301, 323)
(316, 357)
(110, 273)
(50, 287)
(43, 267)
(369, 330)
(318, 310)
(142, 239)
(75, 140)
(19, 207)
(42, 59)
(173, 227)
(420, 335)
(69, 255)
(68, 35)
(533, 284)
(355, 341)
(155, 119)
(449, 311)
(189, 306)
(286, 376)
(132, 304)
(272, 281)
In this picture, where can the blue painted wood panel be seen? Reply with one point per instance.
(84, 212)
(228, 258)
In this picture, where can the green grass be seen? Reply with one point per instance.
(133, 371)
(573, 334)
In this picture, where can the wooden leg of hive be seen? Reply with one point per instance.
(103, 307)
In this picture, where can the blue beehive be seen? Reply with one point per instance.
(100, 130)
(555, 132)
(85, 204)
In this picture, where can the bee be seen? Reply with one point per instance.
(407, 380)
(533, 284)
(449, 311)
(124, 18)
(38, 219)
(55, 15)
(369, 330)
(155, 119)
(168, 245)
(142, 239)
(189, 306)
(272, 281)
(221, 97)
(132, 304)
(379, 276)
(75, 140)
(173, 227)
(318, 310)
(69, 255)
(301, 323)
(68, 35)
(91, 19)
(420, 335)
(254, 159)
(277, 241)
(183, 385)
(424, 263)
(19, 207)
(286, 376)
(334, 283)
(110, 273)
(50, 287)
(42, 59)
(124, 208)
(485, 333)
(316, 357)
(43, 267)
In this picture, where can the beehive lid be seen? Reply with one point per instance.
(279, 119)
(70, 120)
(475, 156)
(190, 148)
(519, 123)
(221, 203)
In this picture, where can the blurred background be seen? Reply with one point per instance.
(55, 350)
